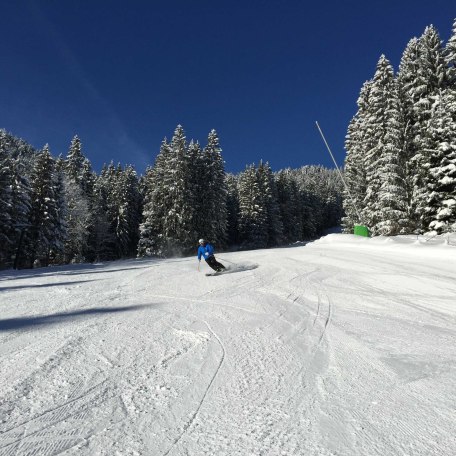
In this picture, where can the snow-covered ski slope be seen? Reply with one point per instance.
(345, 346)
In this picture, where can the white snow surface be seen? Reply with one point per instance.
(343, 346)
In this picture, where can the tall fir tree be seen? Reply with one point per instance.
(127, 211)
(268, 190)
(17, 159)
(289, 199)
(43, 208)
(198, 195)
(441, 204)
(385, 205)
(423, 73)
(253, 220)
(211, 174)
(151, 239)
(232, 207)
(6, 221)
(79, 219)
(356, 143)
(75, 159)
(450, 56)
(20, 207)
(102, 237)
(59, 229)
(178, 230)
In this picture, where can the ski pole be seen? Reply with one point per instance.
(223, 259)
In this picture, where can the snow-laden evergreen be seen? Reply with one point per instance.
(78, 212)
(401, 143)
(290, 206)
(128, 209)
(44, 213)
(441, 204)
(385, 203)
(232, 208)
(268, 189)
(185, 197)
(253, 218)
(75, 161)
(17, 159)
(59, 210)
(214, 190)
(355, 171)
(6, 223)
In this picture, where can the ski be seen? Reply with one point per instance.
(217, 272)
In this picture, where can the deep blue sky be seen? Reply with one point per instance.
(123, 74)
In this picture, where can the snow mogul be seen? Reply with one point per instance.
(206, 251)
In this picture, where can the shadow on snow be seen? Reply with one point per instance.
(44, 285)
(12, 324)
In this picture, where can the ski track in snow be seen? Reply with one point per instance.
(341, 347)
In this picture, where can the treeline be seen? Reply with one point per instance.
(57, 211)
(187, 195)
(401, 145)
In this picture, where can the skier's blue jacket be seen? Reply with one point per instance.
(205, 251)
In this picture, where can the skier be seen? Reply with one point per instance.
(206, 250)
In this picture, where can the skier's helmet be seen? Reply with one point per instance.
(201, 241)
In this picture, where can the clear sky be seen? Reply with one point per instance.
(123, 74)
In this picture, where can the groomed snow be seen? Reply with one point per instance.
(345, 346)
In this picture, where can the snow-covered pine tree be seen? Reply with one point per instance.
(43, 208)
(212, 179)
(148, 235)
(20, 158)
(435, 70)
(79, 220)
(268, 189)
(156, 202)
(385, 205)
(135, 207)
(87, 184)
(119, 204)
(289, 199)
(6, 222)
(179, 234)
(60, 165)
(356, 144)
(58, 214)
(232, 207)
(450, 57)
(253, 220)
(102, 239)
(422, 74)
(312, 199)
(128, 211)
(335, 188)
(198, 193)
(88, 178)
(313, 186)
(441, 204)
(20, 206)
(411, 85)
(75, 160)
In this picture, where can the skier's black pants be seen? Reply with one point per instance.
(214, 264)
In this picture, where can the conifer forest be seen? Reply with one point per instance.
(400, 174)
(57, 211)
(400, 166)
